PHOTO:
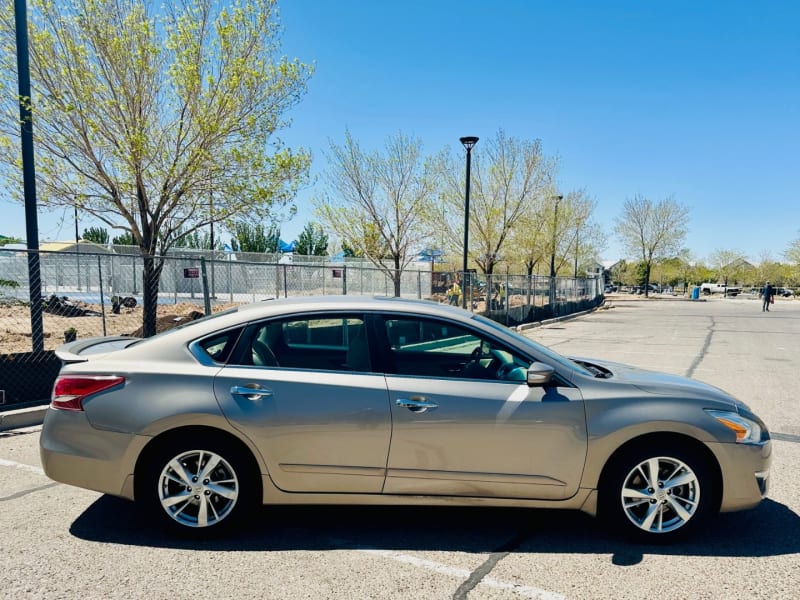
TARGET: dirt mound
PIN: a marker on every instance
(167, 322)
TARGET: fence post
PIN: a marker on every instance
(206, 298)
(102, 299)
(174, 264)
(344, 280)
(133, 263)
(230, 276)
(507, 298)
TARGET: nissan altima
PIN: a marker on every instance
(350, 400)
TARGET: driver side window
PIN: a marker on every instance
(421, 347)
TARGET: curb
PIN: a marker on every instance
(22, 417)
(526, 326)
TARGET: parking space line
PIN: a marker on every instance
(21, 466)
(29, 491)
(525, 591)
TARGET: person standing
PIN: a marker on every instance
(454, 294)
(767, 294)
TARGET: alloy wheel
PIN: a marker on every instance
(660, 494)
(198, 488)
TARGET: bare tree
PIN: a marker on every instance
(563, 217)
(792, 254)
(143, 109)
(375, 201)
(728, 265)
(652, 230)
(509, 177)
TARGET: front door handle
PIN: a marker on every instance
(251, 391)
(416, 404)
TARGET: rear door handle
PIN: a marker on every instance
(416, 404)
(251, 391)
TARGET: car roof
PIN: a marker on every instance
(265, 309)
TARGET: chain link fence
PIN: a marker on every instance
(86, 295)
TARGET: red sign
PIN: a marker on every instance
(191, 273)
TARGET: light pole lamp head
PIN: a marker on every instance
(469, 141)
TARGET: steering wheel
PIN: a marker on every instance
(473, 365)
(504, 370)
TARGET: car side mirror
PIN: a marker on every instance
(539, 374)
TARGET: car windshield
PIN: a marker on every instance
(536, 348)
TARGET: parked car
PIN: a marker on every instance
(639, 289)
(784, 292)
(391, 401)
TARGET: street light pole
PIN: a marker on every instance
(29, 174)
(468, 142)
(558, 199)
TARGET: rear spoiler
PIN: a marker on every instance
(79, 350)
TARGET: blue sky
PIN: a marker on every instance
(695, 100)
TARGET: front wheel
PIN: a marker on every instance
(197, 487)
(657, 494)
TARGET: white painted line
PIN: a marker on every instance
(523, 590)
(21, 466)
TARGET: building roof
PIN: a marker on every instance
(83, 246)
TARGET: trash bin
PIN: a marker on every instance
(696, 293)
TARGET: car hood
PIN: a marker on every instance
(663, 384)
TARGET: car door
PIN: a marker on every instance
(303, 389)
(465, 423)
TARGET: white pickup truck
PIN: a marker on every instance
(719, 288)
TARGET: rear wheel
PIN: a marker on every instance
(198, 487)
(657, 494)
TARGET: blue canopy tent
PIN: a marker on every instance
(430, 255)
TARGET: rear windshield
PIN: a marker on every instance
(190, 322)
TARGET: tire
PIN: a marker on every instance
(657, 494)
(198, 487)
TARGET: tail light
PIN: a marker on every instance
(70, 390)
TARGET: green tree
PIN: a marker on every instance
(375, 201)
(351, 250)
(98, 235)
(124, 239)
(256, 238)
(9, 240)
(652, 230)
(143, 108)
(312, 241)
(197, 240)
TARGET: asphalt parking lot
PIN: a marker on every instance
(63, 542)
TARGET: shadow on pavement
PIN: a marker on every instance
(770, 530)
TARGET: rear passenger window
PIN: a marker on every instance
(331, 343)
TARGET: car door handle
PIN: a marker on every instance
(251, 392)
(416, 404)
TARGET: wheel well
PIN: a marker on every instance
(666, 438)
(155, 445)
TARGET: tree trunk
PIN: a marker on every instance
(397, 275)
(530, 282)
(151, 276)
